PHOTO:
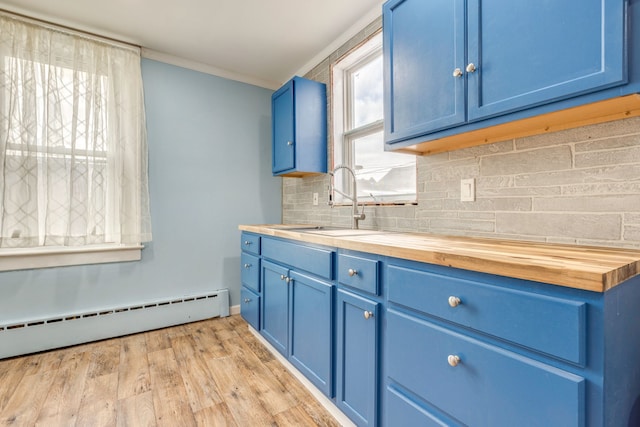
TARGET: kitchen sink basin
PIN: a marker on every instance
(316, 228)
(327, 230)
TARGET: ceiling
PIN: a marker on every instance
(261, 42)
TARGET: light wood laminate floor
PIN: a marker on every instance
(208, 373)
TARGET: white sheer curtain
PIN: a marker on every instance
(73, 148)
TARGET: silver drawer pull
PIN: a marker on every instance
(247, 266)
(368, 314)
(289, 143)
(457, 72)
(453, 360)
(247, 243)
(352, 272)
(288, 279)
(454, 301)
(282, 277)
(471, 67)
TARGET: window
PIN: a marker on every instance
(358, 124)
(73, 154)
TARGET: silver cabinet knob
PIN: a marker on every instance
(457, 72)
(453, 360)
(352, 272)
(289, 143)
(247, 243)
(282, 277)
(288, 279)
(368, 314)
(471, 67)
(247, 300)
(247, 266)
(454, 301)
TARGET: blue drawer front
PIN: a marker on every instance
(250, 307)
(402, 411)
(250, 271)
(489, 387)
(360, 273)
(314, 260)
(521, 317)
(250, 243)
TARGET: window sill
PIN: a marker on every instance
(30, 258)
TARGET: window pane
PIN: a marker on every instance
(367, 93)
(383, 176)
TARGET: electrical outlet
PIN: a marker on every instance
(315, 199)
(468, 190)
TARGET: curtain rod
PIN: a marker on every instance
(70, 30)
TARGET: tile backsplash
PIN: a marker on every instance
(575, 186)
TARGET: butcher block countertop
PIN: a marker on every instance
(583, 267)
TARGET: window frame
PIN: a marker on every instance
(26, 258)
(343, 132)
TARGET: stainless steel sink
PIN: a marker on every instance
(327, 230)
(312, 228)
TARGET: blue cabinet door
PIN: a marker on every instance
(250, 307)
(283, 128)
(275, 306)
(528, 53)
(424, 43)
(311, 329)
(357, 358)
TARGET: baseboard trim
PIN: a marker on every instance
(234, 309)
(34, 335)
(321, 398)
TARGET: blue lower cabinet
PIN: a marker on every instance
(401, 343)
(297, 319)
(311, 349)
(250, 307)
(357, 357)
(475, 382)
(275, 305)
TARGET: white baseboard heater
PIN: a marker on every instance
(71, 329)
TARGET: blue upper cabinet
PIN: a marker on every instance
(528, 53)
(423, 44)
(452, 65)
(299, 125)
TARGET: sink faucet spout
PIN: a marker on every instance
(356, 216)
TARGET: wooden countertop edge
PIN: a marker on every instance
(581, 267)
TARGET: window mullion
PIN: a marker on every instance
(365, 129)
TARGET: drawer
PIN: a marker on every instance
(250, 307)
(314, 260)
(403, 412)
(489, 386)
(250, 271)
(250, 243)
(521, 317)
(358, 272)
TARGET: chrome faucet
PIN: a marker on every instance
(356, 216)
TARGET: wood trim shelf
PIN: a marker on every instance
(584, 115)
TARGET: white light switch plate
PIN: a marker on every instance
(315, 199)
(468, 190)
